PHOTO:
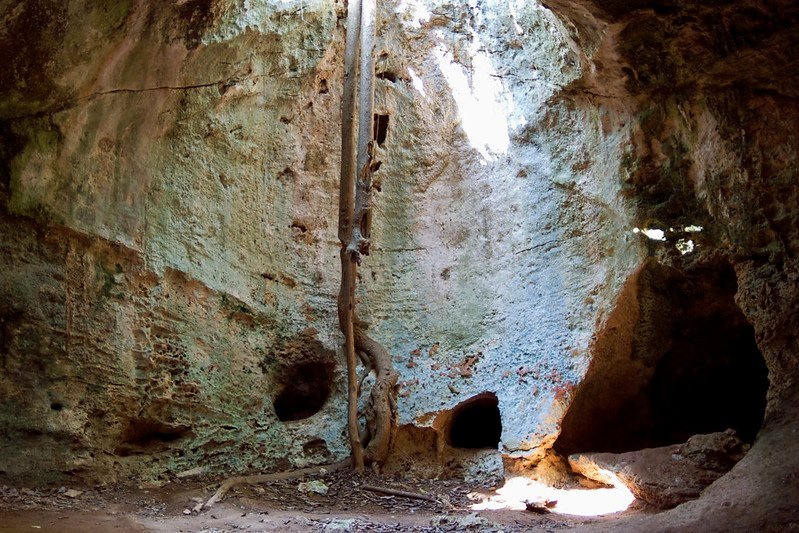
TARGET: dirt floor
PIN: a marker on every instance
(281, 506)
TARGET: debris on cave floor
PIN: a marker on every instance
(335, 501)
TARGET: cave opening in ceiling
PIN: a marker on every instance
(475, 423)
(692, 366)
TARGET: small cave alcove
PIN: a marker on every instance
(305, 387)
(145, 436)
(677, 358)
(475, 423)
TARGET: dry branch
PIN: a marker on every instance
(362, 221)
(267, 478)
(402, 493)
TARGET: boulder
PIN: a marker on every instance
(667, 476)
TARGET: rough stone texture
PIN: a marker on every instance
(667, 476)
(197, 141)
(424, 452)
(479, 210)
(718, 149)
(164, 232)
(169, 185)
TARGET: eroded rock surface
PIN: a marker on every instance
(667, 476)
(169, 193)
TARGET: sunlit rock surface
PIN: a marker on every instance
(169, 176)
(667, 476)
(172, 189)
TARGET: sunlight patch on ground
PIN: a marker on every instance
(580, 502)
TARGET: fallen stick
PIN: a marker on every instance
(402, 493)
(266, 478)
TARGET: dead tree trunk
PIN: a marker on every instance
(362, 222)
(355, 232)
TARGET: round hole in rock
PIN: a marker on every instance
(475, 423)
(677, 358)
(306, 388)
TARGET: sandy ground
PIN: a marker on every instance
(278, 506)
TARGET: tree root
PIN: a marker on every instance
(372, 443)
(365, 374)
(401, 493)
(382, 423)
(266, 478)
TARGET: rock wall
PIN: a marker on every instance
(169, 184)
(712, 89)
(167, 243)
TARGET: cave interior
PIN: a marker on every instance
(575, 299)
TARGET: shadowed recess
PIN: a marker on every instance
(476, 423)
(306, 388)
(381, 128)
(145, 436)
(690, 365)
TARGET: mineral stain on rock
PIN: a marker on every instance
(196, 17)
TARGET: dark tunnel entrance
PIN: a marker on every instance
(475, 423)
(677, 358)
(710, 380)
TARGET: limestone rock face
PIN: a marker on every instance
(167, 249)
(667, 476)
(170, 204)
(168, 190)
(715, 87)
